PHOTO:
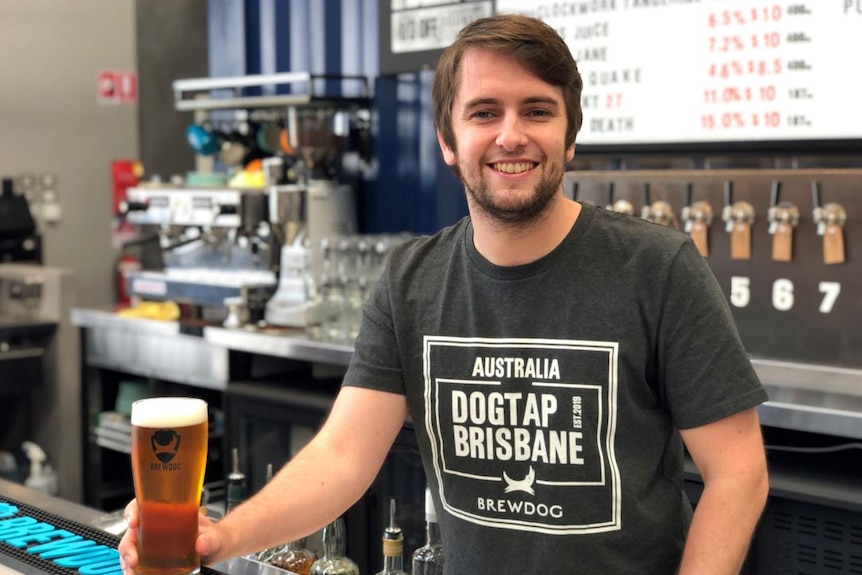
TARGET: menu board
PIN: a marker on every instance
(679, 73)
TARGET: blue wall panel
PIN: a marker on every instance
(409, 188)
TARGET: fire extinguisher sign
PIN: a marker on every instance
(117, 87)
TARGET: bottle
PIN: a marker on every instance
(393, 546)
(42, 477)
(428, 559)
(266, 555)
(334, 562)
(236, 492)
(295, 557)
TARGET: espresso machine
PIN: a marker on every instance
(251, 254)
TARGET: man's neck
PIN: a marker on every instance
(506, 245)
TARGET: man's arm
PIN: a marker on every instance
(320, 483)
(730, 457)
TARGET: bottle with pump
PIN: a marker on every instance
(393, 546)
(266, 555)
(236, 491)
(334, 561)
(42, 477)
(428, 559)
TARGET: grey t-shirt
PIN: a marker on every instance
(547, 397)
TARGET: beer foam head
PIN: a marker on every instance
(168, 412)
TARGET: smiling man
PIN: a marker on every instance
(555, 358)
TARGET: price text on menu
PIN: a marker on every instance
(677, 71)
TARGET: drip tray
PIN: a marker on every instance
(14, 559)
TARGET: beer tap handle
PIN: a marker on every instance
(236, 490)
(610, 202)
(646, 210)
(776, 191)
(815, 194)
(727, 210)
(772, 213)
(686, 208)
(697, 217)
(830, 220)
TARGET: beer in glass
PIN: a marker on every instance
(169, 452)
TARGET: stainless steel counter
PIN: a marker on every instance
(819, 399)
(293, 344)
(68, 509)
(151, 348)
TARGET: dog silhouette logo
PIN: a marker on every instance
(165, 444)
(525, 484)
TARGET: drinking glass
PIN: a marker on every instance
(169, 453)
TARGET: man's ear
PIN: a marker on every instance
(570, 153)
(448, 155)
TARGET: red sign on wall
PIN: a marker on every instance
(117, 87)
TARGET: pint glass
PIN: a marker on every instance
(169, 452)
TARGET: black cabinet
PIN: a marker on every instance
(107, 465)
(270, 421)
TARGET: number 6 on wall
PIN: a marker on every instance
(782, 295)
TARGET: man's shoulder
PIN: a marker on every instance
(440, 245)
(634, 231)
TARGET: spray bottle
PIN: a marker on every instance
(42, 477)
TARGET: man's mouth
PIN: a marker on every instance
(513, 167)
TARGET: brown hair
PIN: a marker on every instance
(528, 41)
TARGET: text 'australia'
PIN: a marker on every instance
(516, 367)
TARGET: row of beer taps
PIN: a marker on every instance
(739, 217)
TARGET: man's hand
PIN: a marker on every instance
(208, 543)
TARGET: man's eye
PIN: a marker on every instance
(539, 113)
(482, 114)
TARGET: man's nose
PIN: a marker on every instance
(512, 133)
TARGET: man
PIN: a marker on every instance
(553, 356)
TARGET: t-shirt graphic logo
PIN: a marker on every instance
(522, 431)
(165, 444)
(525, 484)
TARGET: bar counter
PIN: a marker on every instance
(803, 397)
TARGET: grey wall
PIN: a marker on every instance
(51, 122)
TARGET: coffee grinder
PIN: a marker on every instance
(310, 202)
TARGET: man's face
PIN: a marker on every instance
(509, 129)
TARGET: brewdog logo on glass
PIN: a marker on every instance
(522, 428)
(165, 444)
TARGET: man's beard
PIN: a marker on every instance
(527, 210)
